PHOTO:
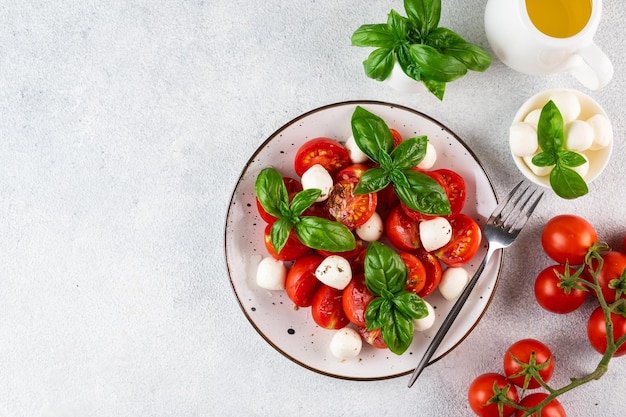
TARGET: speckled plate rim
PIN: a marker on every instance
(492, 271)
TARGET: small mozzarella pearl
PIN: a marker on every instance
(357, 156)
(568, 105)
(334, 271)
(427, 322)
(430, 158)
(372, 229)
(523, 139)
(452, 282)
(318, 177)
(602, 131)
(435, 233)
(271, 274)
(578, 135)
(346, 344)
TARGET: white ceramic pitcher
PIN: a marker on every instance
(520, 45)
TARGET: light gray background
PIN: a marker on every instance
(124, 127)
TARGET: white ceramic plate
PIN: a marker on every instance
(292, 331)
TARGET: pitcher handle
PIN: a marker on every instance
(591, 67)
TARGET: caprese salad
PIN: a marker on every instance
(365, 233)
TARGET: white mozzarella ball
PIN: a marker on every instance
(568, 105)
(430, 158)
(427, 322)
(346, 344)
(523, 139)
(584, 168)
(578, 135)
(357, 156)
(318, 177)
(537, 170)
(452, 282)
(532, 118)
(602, 131)
(271, 274)
(334, 271)
(372, 229)
(435, 233)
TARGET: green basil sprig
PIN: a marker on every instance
(426, 52)
(565, 182)
(314, 232)
(394, 308)
(417, 190)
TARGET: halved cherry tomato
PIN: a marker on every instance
(387, 201)
(402, 231)
(329, 153)
(346, 207)
(301, 283)
(433, 268)
(454, 184)
(293, 187)
(293, 248)
(466, 239)
(416, 273)
(373, 337)
(327, 310)
(349, 255)
(352, 171)
(355, 298)
(397, 137)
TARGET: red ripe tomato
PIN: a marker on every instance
(329, 153)
(596, 331)
(397, 137)
(293, 248)
(346, 207)
(481, 390)
(327, 308)
(387, 201)
(522, 350)
(293, 187)
(567, 237)
(402, 231)
(355, 298)
(552, 297)
(454, 184)
(434, 271)
(416, 273)
(466, 239)
(552, 409)
(373, 337)
(614, 264)
(301, 282)
(352, 171)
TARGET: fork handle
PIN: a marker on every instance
(452, 315)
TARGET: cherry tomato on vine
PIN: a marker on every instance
(568, 237)
(433, 268)
(552, 409)
(481, 390)
(329, 153)
(521, 351)
(466, 239)
(551, 296)
(293, 249)
(301, 282)
(355, 299)
(596, 331)
(416, 273)
(614, 264)
(346, 207)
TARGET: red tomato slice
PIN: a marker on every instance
(466, 239)
(402, 231)
(352, 171)
(350, 209)
(327, 308)
(433, 268)
(301, 283)
(397, 137)
(416, 273)
(293, 248)
(329, 153)
(373, 337)
(293, 187)
(355, 299)
(454, 184)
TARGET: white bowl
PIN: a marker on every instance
(598, 159)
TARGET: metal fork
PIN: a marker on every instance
(501, 229)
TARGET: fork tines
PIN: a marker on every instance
(514, 211)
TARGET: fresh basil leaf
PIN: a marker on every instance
(437, 88)
(435, 65)
(384, 315)
(371, 133)
(303, 200)
(550, 128)
(279, 233)
(373, 319)
(423, 194)
(544, 159)
(323, 234)
(571, 159)
(376, 36)
(410, 304)
(271, 191)
(384, 270)
(397, 24)
(424, 14)
(379, 64)
(567, 183)
(399, 335)
(410, 68)
(473, 56)
(442, 38)
(372, 180)
(409, 153)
